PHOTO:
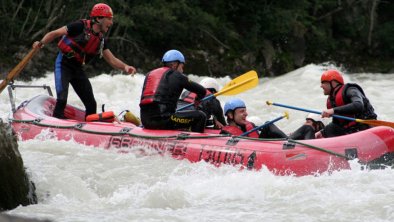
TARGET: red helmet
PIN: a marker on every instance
(330, 75)
(101, 10)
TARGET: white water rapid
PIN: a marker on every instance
(79, 183)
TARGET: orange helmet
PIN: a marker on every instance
(101, 10)
(330, 75)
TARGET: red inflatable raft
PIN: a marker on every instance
(373, 147)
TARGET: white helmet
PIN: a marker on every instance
(314, 117)
(210, 83)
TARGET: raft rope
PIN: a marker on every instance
(124, 131)
(321, 149)
(180, 136)
(300, 143)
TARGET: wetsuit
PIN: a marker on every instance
(272, 131)
(69, 66)
(161, 90)
(348, 100)
(212, 107)
(305, 132)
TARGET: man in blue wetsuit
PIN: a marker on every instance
(82, 41)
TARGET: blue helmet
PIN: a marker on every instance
(233, 104)
(172, 56)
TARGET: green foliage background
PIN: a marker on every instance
(221, 37)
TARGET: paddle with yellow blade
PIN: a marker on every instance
(18, 68)
(286, 115)
(365, 121)
(240, 84)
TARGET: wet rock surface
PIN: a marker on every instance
(15, 187)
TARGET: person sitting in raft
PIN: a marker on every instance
(212, 107)
(160, 93)
(346, 100)
(236, 113)
(313, 124)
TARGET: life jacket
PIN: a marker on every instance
(341, 99)
(236, 131)
(107, 116)
(85, 43)
(190, 97)
(154, 87)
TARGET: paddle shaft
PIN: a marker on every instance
(18, 68)
(224, 91)
(312, 111)
(262, 126)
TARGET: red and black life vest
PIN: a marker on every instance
(236, 131)
(153, 86)
(340, 99)
(86, 43)
(190, 97)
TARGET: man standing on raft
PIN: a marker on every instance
(82, 40)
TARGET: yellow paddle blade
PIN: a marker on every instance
(240, 84)
(131, 118)
(376, 122)
(17, 69)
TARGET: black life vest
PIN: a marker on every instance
(341, 99)
(236, 131)
(86, 43)
(154, 86)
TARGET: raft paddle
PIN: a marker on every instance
(18, 68)
(365, 121)
(240, 84)
(286, 115)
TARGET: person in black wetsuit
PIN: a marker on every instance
(235, 110)
(160, 93)
(82, 41)
(211, 107)
(345, 100)
(313, 124)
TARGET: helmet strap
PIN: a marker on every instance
(173, 65)
(93, 20)
(333, 89)
(230, 115)
(177, 65)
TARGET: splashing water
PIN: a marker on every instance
(79, 183)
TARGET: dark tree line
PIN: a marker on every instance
(220, 37)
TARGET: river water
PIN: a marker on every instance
(79, 183)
